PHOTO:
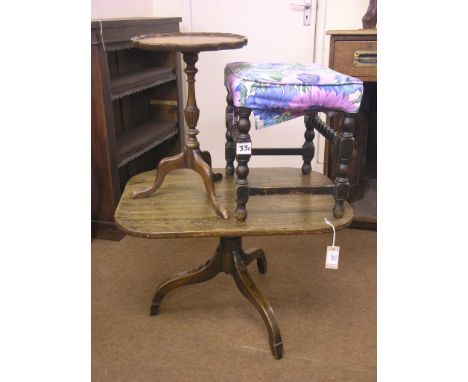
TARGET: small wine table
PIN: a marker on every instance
(189, 44)
(182, 210)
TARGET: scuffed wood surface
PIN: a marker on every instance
(180, 208)
(189, 42)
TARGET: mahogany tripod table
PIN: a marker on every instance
(181, 209)
(189, 44)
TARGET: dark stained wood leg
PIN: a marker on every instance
(191, 157)
(248, 288)
(255, 254)
(230, 146)
(200, 166)
(197, 275)
(231, 259)
(308, 148)
(207, 158)
(369, 20)
(345, 155)
(165, 166)
(242, 169)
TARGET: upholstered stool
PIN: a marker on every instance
(280, 92)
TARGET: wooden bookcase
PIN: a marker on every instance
(136, 110)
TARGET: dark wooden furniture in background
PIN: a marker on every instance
(183, 210)
(190, 45)
(354, 52)
(136, 110)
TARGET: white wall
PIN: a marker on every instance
(102, 9)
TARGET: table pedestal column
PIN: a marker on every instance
(191, 157)
(230, 258)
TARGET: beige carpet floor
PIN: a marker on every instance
(210, 332)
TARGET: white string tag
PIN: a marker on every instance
(102, 37)
(333, 251)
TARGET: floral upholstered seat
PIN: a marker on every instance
(280, 92)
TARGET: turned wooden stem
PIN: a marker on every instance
(242, 169)
(191, 111)
(308, 148)
(230, 146)
(345, 155)
(191, 157)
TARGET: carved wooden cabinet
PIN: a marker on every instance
(136, 110)
(354, 52)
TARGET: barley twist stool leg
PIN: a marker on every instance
(230, 146)
(308, 148)
(242, 170)
(345, 155)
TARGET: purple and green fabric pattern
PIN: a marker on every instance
(279, 92)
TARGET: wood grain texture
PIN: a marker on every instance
(344, 58)
(181, 208)
(283, 178)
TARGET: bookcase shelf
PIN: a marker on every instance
(126, 84)
(136, 110)
(139, 139)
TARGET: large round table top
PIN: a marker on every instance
(189, 42)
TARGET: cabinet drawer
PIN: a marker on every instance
(356, 58)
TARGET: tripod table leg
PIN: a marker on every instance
(165, 166)
(207, 158)
(206, 173)
(252, 254)
(197, 275)
(250, 291)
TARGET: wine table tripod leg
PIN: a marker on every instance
(248, 288)
(207, 158)
(208, 177)
(197, 275)
(191, 157)
(231, 259)
(165, 166)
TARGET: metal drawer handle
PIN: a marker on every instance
(365, 58)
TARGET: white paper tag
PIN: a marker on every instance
(333, 255)
(244, 148)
